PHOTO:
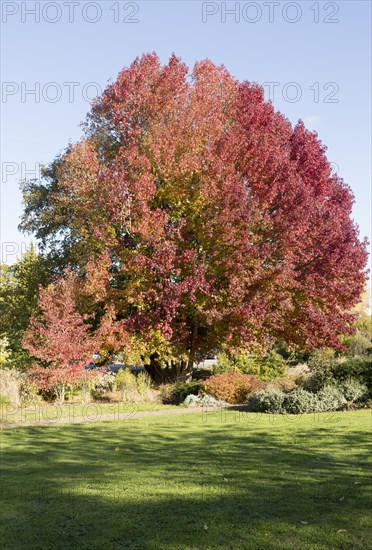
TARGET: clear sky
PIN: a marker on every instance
(313, 57)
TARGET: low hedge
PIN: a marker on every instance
(300, 401)
(269, 400)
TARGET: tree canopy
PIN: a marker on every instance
(198, 218)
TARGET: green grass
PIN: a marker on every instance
(47, 412)
(216, 481)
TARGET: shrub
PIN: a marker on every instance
(272, 366)
(10, 385)
(225, 364)
(103, 384)
(367, 402)
(143, 381)
(287, 383)
(330, 398)
(320, 363)
(165, 392)
(269, 400)
(192, 400)
(233, 387)
(326, 369)
(177, 393)
(29, 392)
(359, 368)
(4, 400)
(202, 400)
(269, 367)
(299, 401)
(322, 359)
(360, 343)
(315, 381)
(353, 390)
(125, 383)
(202, 374)
(125, 386)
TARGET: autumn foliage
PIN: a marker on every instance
(58, 335)
(198, 217)
(233, 387)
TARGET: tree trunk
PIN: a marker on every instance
(191, 361)
(177, 371)
(154, 369)
(181, 372)
(63, 392)
(187, 371)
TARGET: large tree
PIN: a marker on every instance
(201, 218)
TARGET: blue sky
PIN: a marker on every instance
(314, 56)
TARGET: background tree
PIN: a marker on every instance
(5, 352)
(201, 219)
(359, 343)
(19, 291)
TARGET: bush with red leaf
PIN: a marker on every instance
(232, 387)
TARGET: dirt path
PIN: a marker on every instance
(115, 416)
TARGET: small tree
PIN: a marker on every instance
(59, 337)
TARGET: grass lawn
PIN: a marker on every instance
(49, 412)
(209, 481)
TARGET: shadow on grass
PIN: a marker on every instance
(162, 485)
